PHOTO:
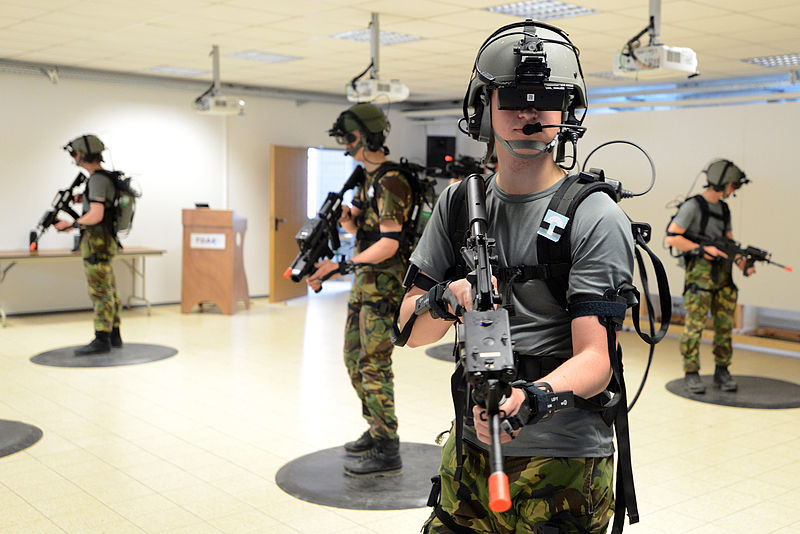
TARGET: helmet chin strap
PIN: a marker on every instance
(526, 144)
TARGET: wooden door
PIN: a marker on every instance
(288, 170)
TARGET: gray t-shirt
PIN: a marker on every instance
(99, 186)
(602, 258)
(690, 216)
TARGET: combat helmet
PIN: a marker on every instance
(529, 64)
(721, 172)
(88, 144)
(368, 119)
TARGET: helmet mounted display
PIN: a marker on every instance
(529, 65)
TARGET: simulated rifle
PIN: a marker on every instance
(750, 254)
(319, 237)
(485, 339)
(61, 202)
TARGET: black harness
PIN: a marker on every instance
(700, 237)
(407, 237)
(554, 256)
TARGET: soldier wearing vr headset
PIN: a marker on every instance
(98, 243)
(522, 101)
(381, 206)
(709, 286)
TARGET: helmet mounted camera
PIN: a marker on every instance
(529, 65)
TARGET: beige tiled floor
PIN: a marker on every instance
(191, 444)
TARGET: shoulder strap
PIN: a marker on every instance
(458, 228)
(726, 215)
(703, 204)
(553, 242)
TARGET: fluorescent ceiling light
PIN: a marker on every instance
(541, 10)
(386, 38)
(783, 60)
(176, 71)
(257, 55)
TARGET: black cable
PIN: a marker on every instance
(643, 151)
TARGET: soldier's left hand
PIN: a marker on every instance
(508, 408)
(322, 268)
(62, 225)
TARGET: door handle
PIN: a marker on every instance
(278, 220)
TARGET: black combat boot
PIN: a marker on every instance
(100, 344)
(360, 446)
(693, 383)
(724, 380)
(116, 338)
(382, 460)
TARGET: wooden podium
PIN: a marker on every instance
(213, 264)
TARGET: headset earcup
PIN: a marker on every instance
(485, 125)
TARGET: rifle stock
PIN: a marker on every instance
(319, 237)
(60, 203)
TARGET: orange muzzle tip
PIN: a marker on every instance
(499, 497)
(287, 273)
(32, 246)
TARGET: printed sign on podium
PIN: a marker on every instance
(213, 262)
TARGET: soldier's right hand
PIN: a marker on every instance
(711, 252)
(462, 290)
(346, 215)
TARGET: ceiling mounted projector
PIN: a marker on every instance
(373, 89)
(381, 90)
(212, 102)
(656, 60)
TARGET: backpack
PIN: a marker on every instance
(423, 198)
(122, 209)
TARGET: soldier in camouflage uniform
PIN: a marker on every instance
(559, 470)
(702, 220)
(98, 243)
(381, 206)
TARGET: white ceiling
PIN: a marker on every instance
(136, 35)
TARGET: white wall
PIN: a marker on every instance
(758, 138)
(178, 156)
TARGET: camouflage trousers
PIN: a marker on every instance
(574, 494)
(368, 347)
(704, 293)
(97, 250)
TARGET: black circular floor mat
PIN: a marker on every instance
(16, 436)
(754, 392)
(441, 352)
(128, 354)
(319, 478)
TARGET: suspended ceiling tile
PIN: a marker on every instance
(199, 25)
(21, 11)
(686, 10)
(286, 8)
(483, 21)
(602, 22)
(735, 23)
(744, 6)
(421, 9)
(237, 15)
(62, 32)
(423, 28)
